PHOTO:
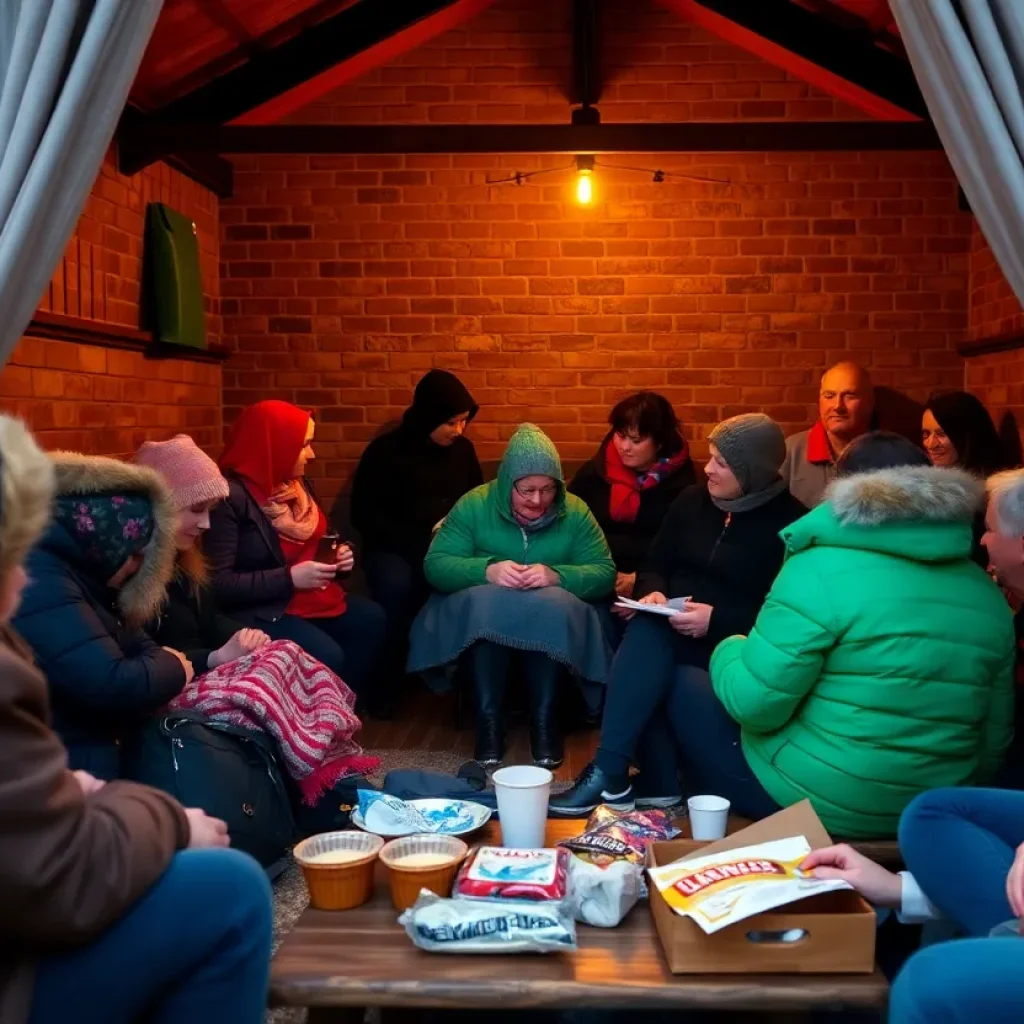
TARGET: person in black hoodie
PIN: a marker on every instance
(719, 547)
(642, 466)
(407, 481)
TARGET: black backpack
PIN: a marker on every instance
(230, 772)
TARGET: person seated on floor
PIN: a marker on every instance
(407, 481)
(719, 548)
(113, 895)
(642, 466)
(516, 562)
(98, 574)
(1004, 542)
(190, 621)
(263, 546)
(964, 853)
(881, 665)
(846, 406)
(279, 689)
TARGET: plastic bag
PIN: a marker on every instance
(494, 872)
(603, 896)
(480, 926)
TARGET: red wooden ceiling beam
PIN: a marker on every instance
(387, 50)
(814, 72)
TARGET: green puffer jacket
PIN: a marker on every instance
(480, 529)
(881, 664)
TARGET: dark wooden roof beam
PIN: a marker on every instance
(586, 67)
(820, 52)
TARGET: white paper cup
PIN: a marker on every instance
(522, 791)
(709, 816)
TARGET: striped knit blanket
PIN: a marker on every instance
(282, 691)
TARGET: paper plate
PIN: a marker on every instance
(455, 817)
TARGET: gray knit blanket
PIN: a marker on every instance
(551, 620)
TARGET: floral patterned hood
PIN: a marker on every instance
(108, 511)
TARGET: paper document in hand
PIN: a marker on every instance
(674, 606)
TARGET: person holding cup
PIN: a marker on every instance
(719, 548)
(273, 565)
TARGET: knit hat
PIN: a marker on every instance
(108, 528)
(753, 447)
(191, 475)
(530, 452)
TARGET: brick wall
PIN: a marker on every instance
(345, 278)
(998, 378)
(107, 401)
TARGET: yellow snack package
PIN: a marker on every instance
(722, 888)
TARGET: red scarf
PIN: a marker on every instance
(627, 486)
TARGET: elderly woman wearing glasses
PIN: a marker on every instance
(516, 562)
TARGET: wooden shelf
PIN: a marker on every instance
(60, 327)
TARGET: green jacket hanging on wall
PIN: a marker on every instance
(174, 289)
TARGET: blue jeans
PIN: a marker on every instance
(959, 845)
(962, 981)
(194, 949)
(347, 644)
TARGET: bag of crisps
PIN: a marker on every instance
(722, 888)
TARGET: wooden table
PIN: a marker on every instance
(359, 958)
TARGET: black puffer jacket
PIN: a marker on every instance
(105, 674)
(406, 484)
(629, 541)
(728, 562)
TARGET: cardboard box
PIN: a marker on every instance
(832, 933)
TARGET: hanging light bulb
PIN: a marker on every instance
(584, 182)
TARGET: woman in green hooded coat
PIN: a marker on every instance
(881, 664)
(519, 559)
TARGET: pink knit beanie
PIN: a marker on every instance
(191, 474)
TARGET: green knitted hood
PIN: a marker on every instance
(530, 451)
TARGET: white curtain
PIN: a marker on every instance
(65, 70)
(968, 56)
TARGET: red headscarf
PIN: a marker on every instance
(265, 445)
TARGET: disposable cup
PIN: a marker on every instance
(522, 791)
(709, 816)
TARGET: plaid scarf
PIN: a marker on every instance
(281, 690)
(627, 486)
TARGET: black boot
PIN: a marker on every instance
(490, 720)
(545, 729)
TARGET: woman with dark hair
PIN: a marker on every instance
(881, 449)
(642, 466)
(264, 548)
(956, 430)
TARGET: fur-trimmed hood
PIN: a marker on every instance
(143, 595)
(922, 513)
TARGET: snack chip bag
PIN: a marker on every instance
(722, 888)
(612, 836)
(497, 873)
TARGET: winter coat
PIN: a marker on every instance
(70, 865)
(106, 676)
(405, 484)
(729, 562)
(247, 564)
(481, 530)
(192, 623)
(881, 665)
(629, 542)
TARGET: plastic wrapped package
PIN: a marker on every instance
(441, 925)
(494, 872)
(603, 896)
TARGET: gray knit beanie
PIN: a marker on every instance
(754, 448)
